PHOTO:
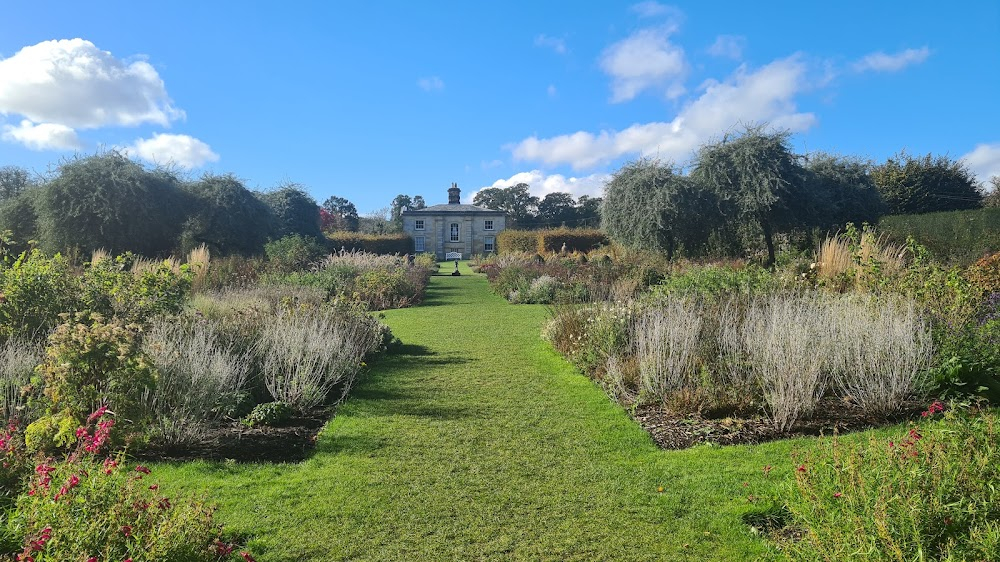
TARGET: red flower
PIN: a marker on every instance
(127, 530)
(246, 556)
(801, 468)
(142, 469)
(92, 559)
(154, 487)
(837, 494)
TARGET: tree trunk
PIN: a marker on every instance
(769, 241)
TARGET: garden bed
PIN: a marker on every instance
(292, 442)
(671, 430)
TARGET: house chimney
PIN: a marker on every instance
(454, 194)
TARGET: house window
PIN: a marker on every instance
(489, 243)
(418, 243)
(418, 224)
(488, 225)
(454, 232)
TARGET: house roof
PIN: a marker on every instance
(451, 208)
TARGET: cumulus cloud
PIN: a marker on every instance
(42, 136)
(431, 84)
(728, 46)
(542, 184)
(984, 161)
(556, 44)
(883, 62)
(767, 94)
(183, 150)
(72, 83)
(645, 59)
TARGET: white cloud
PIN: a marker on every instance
(182, 150)
(542, 184)
(882, 62)
(72, 83)
(984, 161)
(650, 9)
(765, 95)
(552, 91)
(42, 136)
(728, 46)
(431, 84)
(644, 60)
(556, 44)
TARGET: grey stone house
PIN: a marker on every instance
(454, 228)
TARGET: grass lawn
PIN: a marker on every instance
(478, 442)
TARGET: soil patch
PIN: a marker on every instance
(671, 430)
(292, 442)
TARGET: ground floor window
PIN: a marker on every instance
(418, 244)
(489, 243)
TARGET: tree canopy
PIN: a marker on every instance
(109, 201)
(926, 184)
(649, 204)
(516, 201)
(225, 216)
(758, 179)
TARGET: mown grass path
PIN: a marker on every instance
(478, 442)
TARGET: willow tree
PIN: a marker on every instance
(758, 179)
(649, 204)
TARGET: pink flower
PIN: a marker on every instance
(246, 556)
(127, 530)
(837, 494)
(98, 413)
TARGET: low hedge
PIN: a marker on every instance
(956, 237)
(510, 241)
(374, 243)
(550, 240)
(575, 240)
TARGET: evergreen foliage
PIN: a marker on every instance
(926, 184)
(225, 216)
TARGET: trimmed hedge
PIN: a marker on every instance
(575, 240)
(550, 240)
(956, 237)
(510, 241)
(374, 243)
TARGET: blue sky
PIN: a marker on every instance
(369, 100)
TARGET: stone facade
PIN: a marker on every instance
(442, 229)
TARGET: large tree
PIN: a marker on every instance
(516, 201)
(224, 215)
(294, 211)
(927, 184)
(13, 182)
(843, 190)
(992, 197)
(108, 201)
(557, 208)
(648, 204)
(758, 178)
(345, 214)
(588, 211)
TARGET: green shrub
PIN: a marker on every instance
(294, 252)
(373, 243)
(929, 494)
(718, 280)
(269, 413)
(958, 237)
(134, 290)
(34, 291)
(570, 240)
(90, 362)
(510, 241)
